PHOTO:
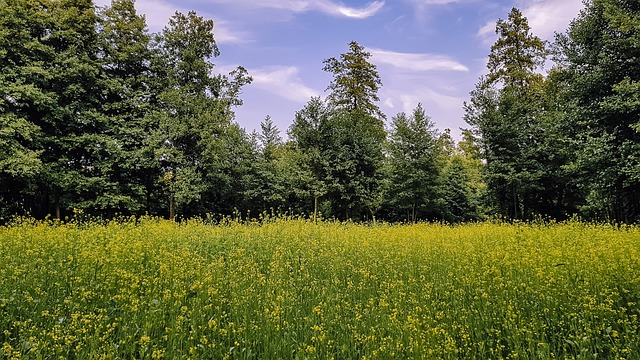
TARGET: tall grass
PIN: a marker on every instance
(292, 289)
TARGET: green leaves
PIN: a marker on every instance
(413, 157)
(601, 71)
(510, 113)
(355, 81)
(517, 54)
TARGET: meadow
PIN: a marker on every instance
(292, 289)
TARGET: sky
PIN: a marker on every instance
(426, 51)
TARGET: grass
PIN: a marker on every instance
(292, 289)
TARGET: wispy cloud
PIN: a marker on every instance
(545, 17)
(157, 14)
(433, 99)
(329, 7)
(444, 107)
(488, 32)
(416, 62)
(549, 16)
(433, 2)
(226, 34)
(284, 82)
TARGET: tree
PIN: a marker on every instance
(517, 54)
(357, 135)
(355, 82)
(310, 134)
(506, 112)
(414, 165)
(456, 194)
(125, 58)
(269, 137)
(72, 127)
(194, 107)
(22, 99)
(599, 73)
(268, 190)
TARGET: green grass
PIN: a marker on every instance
(292, 289)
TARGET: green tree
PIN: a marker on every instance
(23, 99)
(194, 109)
(268, 190)
(414, 165)
(468, 150)
(355, 82)
(270, 138)
(455, 193)
(125, 58)
(599, 70)
(310, 135)
(72, 129)
(355, 158)
(506, 111)
(230, 172)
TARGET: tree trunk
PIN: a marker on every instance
(315, 208)
(515, 202)
(172, 208)
(57, 207)
(413, 213)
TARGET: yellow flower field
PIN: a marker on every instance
(292, 289)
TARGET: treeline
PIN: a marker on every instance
(99, 115)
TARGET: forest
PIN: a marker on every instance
(99, 116)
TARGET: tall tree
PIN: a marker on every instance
(598, 59)
(309, 133)
(268, 191)
(505, 110)
(23, 99)
(194, 108)
(72, 129)
(355, 82)
(516, 55)
(270, 138)
(414, 165)
(357, 135)
(125, 57)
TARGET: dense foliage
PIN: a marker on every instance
(100, 115)
(292, 289)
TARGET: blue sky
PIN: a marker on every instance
(427, 51)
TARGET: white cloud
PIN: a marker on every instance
(545, 17)
(362, 13)
(416, 62)
(157, 14)
(549, 16)
(433, 2)
(330, 7)
(282, 81)
(445, 109)
(224, 34)
(431, 98)
(487, 29)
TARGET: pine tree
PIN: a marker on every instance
(354, 179)
(414, 165)
(506, 111)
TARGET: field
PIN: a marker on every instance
(292, 289)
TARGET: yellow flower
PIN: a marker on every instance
(144, 340)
